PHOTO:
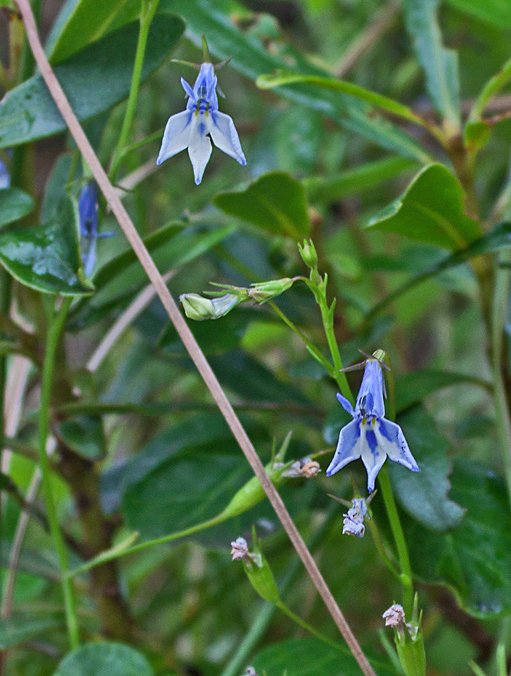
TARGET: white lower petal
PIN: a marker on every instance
(199, 149)
(176, 136)
(392, 441)
(225, 137)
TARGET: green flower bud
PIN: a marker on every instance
(263, 291)
(260, 574)
(252, 492)
(308, 253)
(198, 308)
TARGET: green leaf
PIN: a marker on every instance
(21, 628)
(171, 247)
(475, 559)
(84, 435)
(440, 65)
(306, 656)
(349, 88)
(47, 257)
(497, 239)
(83, 21)
(14, 204)
(424, 495)
(104, 658)
(495, 12)
(251, 58)
(431, 210)
(275, 202)
(356, 181)
(413, 388)
(95, 79)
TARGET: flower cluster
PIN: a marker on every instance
(200, 123)
(370, 435)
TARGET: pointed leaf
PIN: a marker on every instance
(95, 79)
(47, 257)
(495, 12)
(276, 202)
(14, 204)
(440, 65)
(431, 210)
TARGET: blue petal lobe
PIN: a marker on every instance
(348, 447)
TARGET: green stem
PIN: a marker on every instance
(117, 553)
(498, 319)
(52, 341)
(328, 326)
(147, 11)
(305, 625)
(399, 538)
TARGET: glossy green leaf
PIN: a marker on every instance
(474, 559)
(280, 79)
(440, 65)
(424, 495)
(14, 204)
(104, 658)
(413, 388)
(47, 257)
(95, 79)
(275, 202)
(226, 40)
(306, 656)
(172, 246)
(83, 21)
(356, 181)
(84, 435)
(495, 12)
(21, 628)
(431, 210)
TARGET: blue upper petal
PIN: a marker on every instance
(370, 396)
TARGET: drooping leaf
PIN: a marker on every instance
(21, 628)
(226, 40)
(474, 560)
(342, 86)
(431, 210)
(306, 656)
(425, 495)
(275, 202)
(83, 21)
(171, 247)
(440, 65)
(14, 204)
(47, 257)
(95, 79)
(104, 658)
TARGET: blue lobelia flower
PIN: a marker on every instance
(200, 122)
(370, 435)
(88, 212)
(5, 179)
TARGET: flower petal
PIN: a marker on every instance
(199, 149)
(346, 404)
(176, 136)
(224, 135)
(373, 456)
(188, 89)
(392, 440)
(348, 447)
(370, 396)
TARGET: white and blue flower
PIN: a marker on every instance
(370, 435)
(200, 124)
(88, 213)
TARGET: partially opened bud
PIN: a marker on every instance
(264, 291)
(199, 308)
(308, 253)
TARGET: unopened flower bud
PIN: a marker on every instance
(199, 308)
(264, 291)
(239, 549)
(260, 574)
(308, 253)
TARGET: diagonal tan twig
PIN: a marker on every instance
(186, 335)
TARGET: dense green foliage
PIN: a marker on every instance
(377, 201)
